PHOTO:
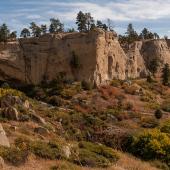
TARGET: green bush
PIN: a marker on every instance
(115, 83)
(55, 100)
(149, 79)
(95, 155)
(151, 145)
(46, 150)
(166, 127)
(92, 159)
(13, 155)
(158, 114)
(101, 150)
(86, 85)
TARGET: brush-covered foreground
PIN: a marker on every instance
(70, 126)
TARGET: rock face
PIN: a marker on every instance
(100, 57)
(3, 138)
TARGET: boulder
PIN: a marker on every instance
(36, 118)
(41, 130)
(10, 113)
(2, 163)
(66, 151)
(9, 100)
(26, 104)
(3, 138)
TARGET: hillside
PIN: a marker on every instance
(71, 126)
(84, 101)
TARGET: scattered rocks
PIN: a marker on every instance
(41, 130)
(10, 113)
(3, 138)
(14, 128)
(9, 100)
(36, 117)
(66, 151)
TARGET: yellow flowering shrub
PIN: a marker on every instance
(151, 144)
(13, 92)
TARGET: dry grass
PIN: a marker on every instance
(128, 162)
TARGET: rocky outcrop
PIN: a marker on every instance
(100, 57)
(3, 138)
(141, 54)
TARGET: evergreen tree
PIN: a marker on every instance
(85, 22)
(131, 34)
(150, 35)
(44, 29)
(156, 36)
(101, 25)
(153, 66)
(130, 30)
(158, 114)
(146, 34)
(166, 37)
(166, 74)
(13, 35)
(4, 33)
(56, 26)
(89, 21)
(25, 33)
(36, 30)
(71, 30)
(110, 24)
(81, 22)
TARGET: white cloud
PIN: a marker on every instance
(120, 11)
(124, 10)
(33, 17)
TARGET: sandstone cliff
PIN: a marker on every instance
(99, 53)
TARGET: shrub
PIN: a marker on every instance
(158, 114)
(38, 93)
(86, 85)
(91, 159)
(160, 165)
(166, 105)
(166, 127)
(46, 150)
(5, 85)
(42, 150)
(154, 65)
(95, 155)
(149, 79)
(55, 100)
(22, 143)
(133, 89)
(4, 92)
(115, 83)
(64, 165)
(128, 106)
(14, 155)
(151, 145)
(149, 122)
(75, 62)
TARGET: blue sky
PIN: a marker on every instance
(153, 14)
